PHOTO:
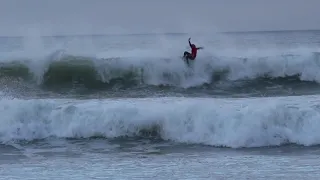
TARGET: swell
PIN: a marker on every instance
(93, 73)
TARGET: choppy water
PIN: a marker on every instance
(127, 107)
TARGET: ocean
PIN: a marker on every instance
(127, 107)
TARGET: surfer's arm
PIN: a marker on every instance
(189, 42)
(200, 48)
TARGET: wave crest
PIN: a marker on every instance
(67, 70)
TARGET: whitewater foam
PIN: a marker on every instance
(232, 123)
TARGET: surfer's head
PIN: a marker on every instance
(193, 46)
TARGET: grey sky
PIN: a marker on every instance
(108, 16)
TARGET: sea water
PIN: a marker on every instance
(127, 107)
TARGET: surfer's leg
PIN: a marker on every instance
(186, 54)
(191, 58)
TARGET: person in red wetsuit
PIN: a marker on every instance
(193, 54)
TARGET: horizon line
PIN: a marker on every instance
(166, 33)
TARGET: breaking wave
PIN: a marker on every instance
(235, 123)
(60, 69)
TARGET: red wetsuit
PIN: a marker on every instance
(194, 51)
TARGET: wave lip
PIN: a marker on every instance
(231, 123)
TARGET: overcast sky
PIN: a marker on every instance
(108, 16)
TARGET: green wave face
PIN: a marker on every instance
(15, 69)
(72, 71)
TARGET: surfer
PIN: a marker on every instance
(192, 56)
